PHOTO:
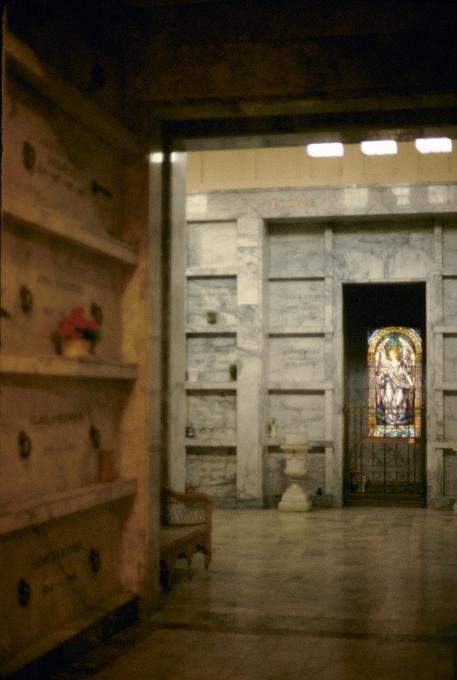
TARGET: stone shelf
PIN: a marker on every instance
(213, 443)
(48, 82)
(449, 272)
(311, 330)
(447, 444)
(25, 364)
(18, 206)
(298, 277)
(446, 330)
(33, 511)
(313, 443)
(210, 387)
(299, 387)
(209, 273)
(447, 387)
(210, 330)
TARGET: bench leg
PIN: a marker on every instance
(189, 564)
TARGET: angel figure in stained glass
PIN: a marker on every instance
(395, 362)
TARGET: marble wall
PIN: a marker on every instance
(289, 308)
(74, 205)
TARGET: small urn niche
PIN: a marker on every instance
(295, 498)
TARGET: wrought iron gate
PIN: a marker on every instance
(381, 470)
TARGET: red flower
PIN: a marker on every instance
(77, 326)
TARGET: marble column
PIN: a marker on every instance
(250, 359)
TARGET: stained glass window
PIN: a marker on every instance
(394, 382)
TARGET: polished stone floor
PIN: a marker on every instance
(343, 593)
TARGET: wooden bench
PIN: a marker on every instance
(185, 529)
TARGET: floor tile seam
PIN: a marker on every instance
(289, 632)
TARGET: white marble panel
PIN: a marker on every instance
(211, 356)
(276, 481)
(296, 360)
(213, 415)
(249, 275)
(450, 302)
(450, 416)
(295, 304)
(299, 413)
(212, 474)
(217, 294)
(211, 244)
(450, 358)
(295, 249)
(383, 251)
(450, 474)
(450, 243)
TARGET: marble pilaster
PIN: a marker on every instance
(177, 325)
(250, 358)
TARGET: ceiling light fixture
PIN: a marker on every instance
(325, 150)
(379, 147)
(433, 145)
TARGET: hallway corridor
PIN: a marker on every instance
(341, 593)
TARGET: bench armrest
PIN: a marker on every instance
(179, 508)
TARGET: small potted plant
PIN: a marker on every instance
(77, 336)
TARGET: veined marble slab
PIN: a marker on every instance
(363, 252)
(211, 357)
(212, 415)
(212, 474)
(211, 244)
(208, 294)
(295, 249)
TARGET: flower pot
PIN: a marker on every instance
(75, 348)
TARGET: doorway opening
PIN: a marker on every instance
(384, 400)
